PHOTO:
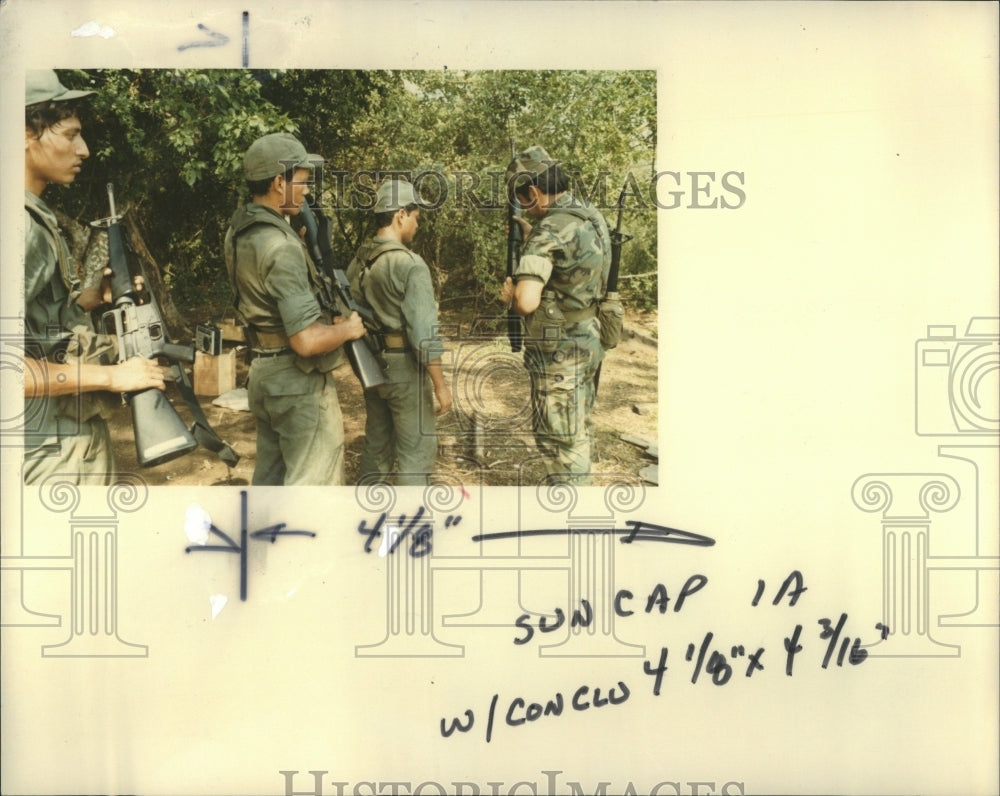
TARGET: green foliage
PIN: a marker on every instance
(172, 141)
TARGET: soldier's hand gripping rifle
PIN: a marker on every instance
(364, 355)
(515, 236)
(160, 434)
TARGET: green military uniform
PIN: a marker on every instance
(300, 430)
(399, 427)
(569, 250)
(64, 435)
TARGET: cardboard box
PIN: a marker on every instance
(214, 375)
(232, 331)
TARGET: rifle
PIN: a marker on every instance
(618, 237)
(515, 237)
(610, 311)
(160, 434)
(364, 355)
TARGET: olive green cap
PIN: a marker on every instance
(274, 154)
(394, 195)
(42, 85)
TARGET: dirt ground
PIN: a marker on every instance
(484, 439)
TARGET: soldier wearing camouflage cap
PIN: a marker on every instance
(400, 429)
(293, 346)
(64, 373)
(557, 286)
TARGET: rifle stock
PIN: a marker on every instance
(364, 355)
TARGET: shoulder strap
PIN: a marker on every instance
(374, 254)
(66, 267)
(383, 248)
(590, 214)
(200, 427)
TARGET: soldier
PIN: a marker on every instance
(65, 371)
(556, 286)
(293, 347)
(396, 283)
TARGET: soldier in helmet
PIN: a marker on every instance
(396, 283)
(557, 286)
(66, 366)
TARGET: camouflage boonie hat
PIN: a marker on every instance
(529, 164)
(395, 195)
(533, 160)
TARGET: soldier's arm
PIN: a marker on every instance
(527, 296)
(43, 378)
(533, 271)
(320, 338)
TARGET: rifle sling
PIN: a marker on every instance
(202, 430)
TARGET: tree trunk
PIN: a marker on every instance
(89, 247)
(154, 280)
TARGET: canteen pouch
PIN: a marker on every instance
(610, 316)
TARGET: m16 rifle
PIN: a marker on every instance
(515, 237)
(364, 355)
(160, 434)
(610, 312)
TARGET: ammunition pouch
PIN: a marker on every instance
(324, 363)
(544, 327)
(395, 342)
(87, 347)
(610, 316)
(266, 341)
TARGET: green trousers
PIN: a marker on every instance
(83, 457)
(300, 430)
(400, 433)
